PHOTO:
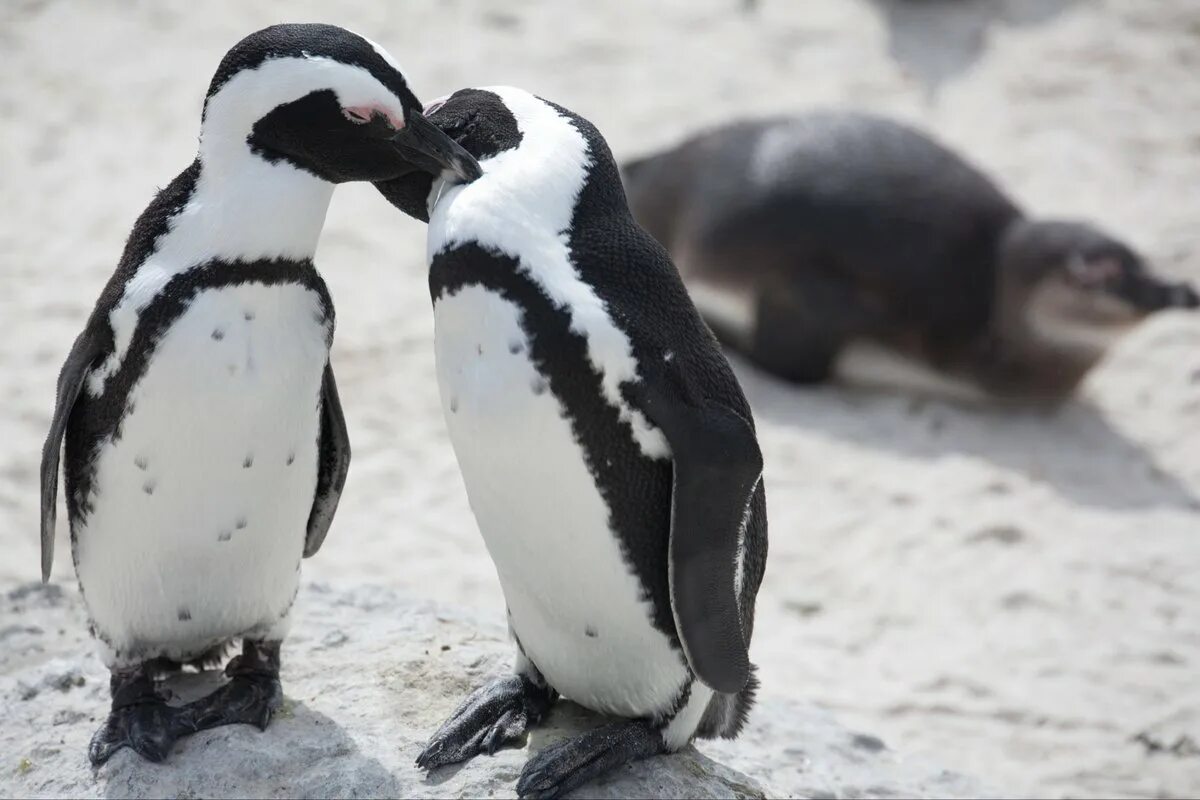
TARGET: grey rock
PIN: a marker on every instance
(357, 713)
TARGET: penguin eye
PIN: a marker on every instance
(362, 115)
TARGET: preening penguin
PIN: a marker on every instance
(845, 245)
(608, 452)
(205, 448)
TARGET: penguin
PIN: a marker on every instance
(609, 455)
(202, 439)
(842, 245)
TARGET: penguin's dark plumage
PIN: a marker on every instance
(205, 447)
(840, 244)
(607, 449)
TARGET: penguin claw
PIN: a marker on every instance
(149, 729)
(492, 716)
(248, 699)
(565, 766)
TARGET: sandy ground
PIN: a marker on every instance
(1014, 594)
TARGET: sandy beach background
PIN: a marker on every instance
(1013, 594)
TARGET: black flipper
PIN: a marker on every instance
(333, 463)
(88, 346)
(717, 465)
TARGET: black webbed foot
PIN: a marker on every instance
(571, 763)
(140, 720)
(492, 716)
(251, 697)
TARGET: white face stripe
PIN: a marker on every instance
(251, 94)
(522, 207)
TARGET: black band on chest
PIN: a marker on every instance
(636, 488)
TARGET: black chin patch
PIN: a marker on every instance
(313, 134)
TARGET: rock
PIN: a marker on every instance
(368, 675)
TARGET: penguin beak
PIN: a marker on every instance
(428, 148)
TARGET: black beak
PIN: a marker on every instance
(424, 144)
(1151, 294)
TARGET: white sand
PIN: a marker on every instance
(1015, 595)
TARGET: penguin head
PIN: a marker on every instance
(475, 119)
(326, 101)
(1080, 283)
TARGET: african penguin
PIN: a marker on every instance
(205, 448)
(840, 244)
(608, 453)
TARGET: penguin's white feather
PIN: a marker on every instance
(533, 228)
(575, 605)
(200, 507)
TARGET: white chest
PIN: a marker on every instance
(200, 507)
(574, 603)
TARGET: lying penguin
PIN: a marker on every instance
(846, 245)
(608, 452)
(205, 444)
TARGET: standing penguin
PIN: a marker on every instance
(205, 444)
(841, 244)
(608, 452)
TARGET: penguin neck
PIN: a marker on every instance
(1024, 358)
(244, 207)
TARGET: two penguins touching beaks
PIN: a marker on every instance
(204, 450)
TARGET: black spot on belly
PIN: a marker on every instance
(479, 349)
(291, 459)
(453, 405)
(538, 385)
(590, 632)
(248, 461)
(249, 315)
(515, 347)
(218, 334)
(141, 462)
(241, 523)
(148, 486)
(184, 615)
(224, 536)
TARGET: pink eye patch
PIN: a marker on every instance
(361, 115)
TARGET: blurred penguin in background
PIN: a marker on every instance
(840, 245)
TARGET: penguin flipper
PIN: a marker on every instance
(717, 466)
(88, 346)
(333, 463)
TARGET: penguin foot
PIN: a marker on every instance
(140, 719)
(150, 729)
(492, 716)
(569, 764)
(251, 697)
